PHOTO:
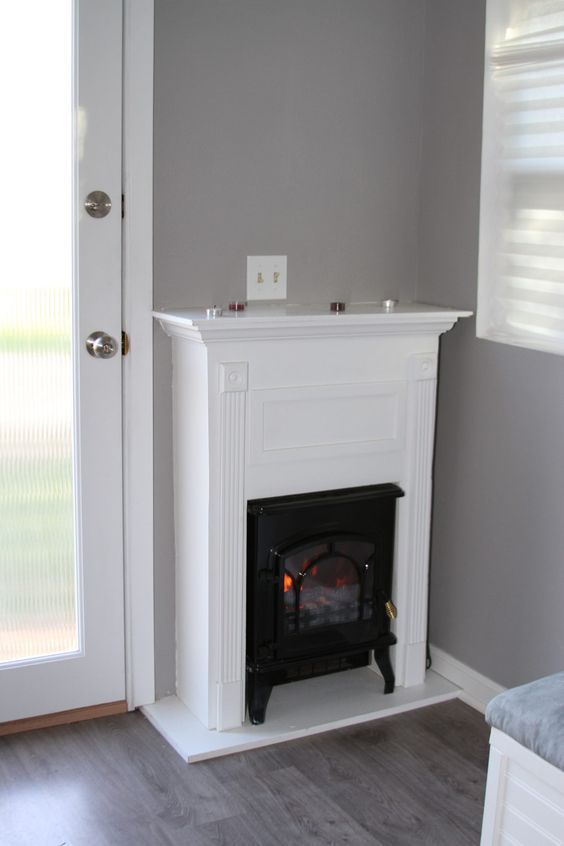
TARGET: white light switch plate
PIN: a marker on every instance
(266, 277)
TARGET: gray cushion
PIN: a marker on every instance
(533, 715)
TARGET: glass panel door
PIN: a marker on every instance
(38, 575)
(61, 533)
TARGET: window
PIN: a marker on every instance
(521, 270)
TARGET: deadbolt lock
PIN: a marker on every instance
(98, 204)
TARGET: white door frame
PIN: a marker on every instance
(138, 365)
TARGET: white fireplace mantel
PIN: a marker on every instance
(276, 322)
(282, 400)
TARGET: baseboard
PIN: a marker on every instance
(475, 689)
(75, 715)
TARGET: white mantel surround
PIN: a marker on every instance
(282, 400)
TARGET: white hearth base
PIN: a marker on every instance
(297, 710)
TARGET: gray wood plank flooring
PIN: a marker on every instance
(417, 778)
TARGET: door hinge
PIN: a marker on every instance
(123, 205)
(124, 342)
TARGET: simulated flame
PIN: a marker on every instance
(340, 581)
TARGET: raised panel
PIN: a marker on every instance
(328, 421)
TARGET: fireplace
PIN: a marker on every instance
(270, 403)
(319, 581)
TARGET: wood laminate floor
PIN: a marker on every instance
(417, 778)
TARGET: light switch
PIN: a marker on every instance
(266, 277)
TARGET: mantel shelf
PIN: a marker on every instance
(260, 322)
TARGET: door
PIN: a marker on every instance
(61, 540)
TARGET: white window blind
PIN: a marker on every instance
(521, 268)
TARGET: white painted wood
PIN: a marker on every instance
(231, 584)
(96, 673)
(412, 560)
(476, 689)
(323, 421)
(99, 393)
(298, 710)
(298, 321)
(195, 673)
(524, 802)
(536, 767)
(534, 800)
(238, 369)
(493, 802)
(138, 365)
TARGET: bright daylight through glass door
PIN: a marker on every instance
(38, 575)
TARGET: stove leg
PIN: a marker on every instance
(258, 694)
(384, 665)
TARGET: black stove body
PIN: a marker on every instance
(319, 581)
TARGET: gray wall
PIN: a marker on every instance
(497, 583)
(287, 127)
(302, 127)
(281, 126)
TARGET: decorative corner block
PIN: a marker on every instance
(422, 367)
(233, 377)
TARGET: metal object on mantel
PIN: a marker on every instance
(389, 305)
(338, 306)
(213, 312)
(237, 305)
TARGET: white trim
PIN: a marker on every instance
(475, 689)
(494, 798)
(275, 322)
(537, 766)
(138, 365)
(524, 801)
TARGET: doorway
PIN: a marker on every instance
(61, 505)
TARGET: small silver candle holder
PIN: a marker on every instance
(212, 313)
